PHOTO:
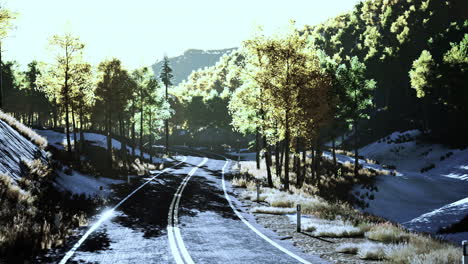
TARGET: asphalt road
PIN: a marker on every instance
(179, 216)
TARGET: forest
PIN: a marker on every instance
(384, 66)
(306, 100)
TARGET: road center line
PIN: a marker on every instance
(108, 214)
(176, 243)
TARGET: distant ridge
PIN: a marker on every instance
(192, 59)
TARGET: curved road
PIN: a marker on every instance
(181, 215)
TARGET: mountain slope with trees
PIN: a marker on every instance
(191, 60)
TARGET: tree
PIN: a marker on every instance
(68, 54)
(5, 24)
(166, 78)
(357, 99)
(113, 94)
(280, 66)
(83, 97)
(144, 83)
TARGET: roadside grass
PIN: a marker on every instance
(332, 228)
(333, 216)
(272, 210)
(34, 215)
(25, 131)
(388, 233)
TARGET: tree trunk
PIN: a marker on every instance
(257, 148)
(133, 128)
(167, 124)
(109, 136)
(74, 127)
(304, 168)
(123, 149)
(286, 161)
(268, 162)
(141, 129)
(82, 137)
(334, 157)
(150, 150)
(318, 159)
(277, 160)
(356, 158)
(312, 163)
(67, 126)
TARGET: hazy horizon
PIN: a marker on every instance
(141, 33)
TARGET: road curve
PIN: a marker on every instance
(191, 197)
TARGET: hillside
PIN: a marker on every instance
(192, 59)
(16, 149)
(429, 191)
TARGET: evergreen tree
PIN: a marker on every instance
(166, 77)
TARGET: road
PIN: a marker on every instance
(180, 215)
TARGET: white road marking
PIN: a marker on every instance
(176, 243)
(108, 214)
(253, 228)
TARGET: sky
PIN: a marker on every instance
(141, 32)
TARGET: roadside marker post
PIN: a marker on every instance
(258, 192)
(298, 229)
(465, 251)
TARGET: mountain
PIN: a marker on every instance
(192, 59)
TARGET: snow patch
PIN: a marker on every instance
(79, 183)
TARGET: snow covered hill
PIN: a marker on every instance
(430, 189)
(58, 140)
(15, 148)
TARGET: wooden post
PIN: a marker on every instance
(298, 218)
(465, 251)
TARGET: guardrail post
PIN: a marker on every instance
(465, 251)
(298, 209)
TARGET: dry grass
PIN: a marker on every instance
(272, 210)
(332, 228)
(368, 250)
(388, 233)
(373, 251)
(24, 130)
(339, 219)
(29, 218)
(424, 249)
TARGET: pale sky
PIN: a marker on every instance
(140, 32)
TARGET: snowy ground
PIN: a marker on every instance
(59, 140)
(244, 154)
(421, 201)
(78, 183)
(14, 148)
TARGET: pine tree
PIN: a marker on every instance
(166, 77)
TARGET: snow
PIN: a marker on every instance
(58, 140)
(243, 155)
(343, 159)
(421, 201)
(14, 148)
(439, 218)
(79, 183)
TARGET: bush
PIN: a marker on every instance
(387, 233)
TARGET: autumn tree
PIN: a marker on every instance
(59, 78)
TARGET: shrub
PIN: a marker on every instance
(387, 233)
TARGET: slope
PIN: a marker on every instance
(192, 59)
